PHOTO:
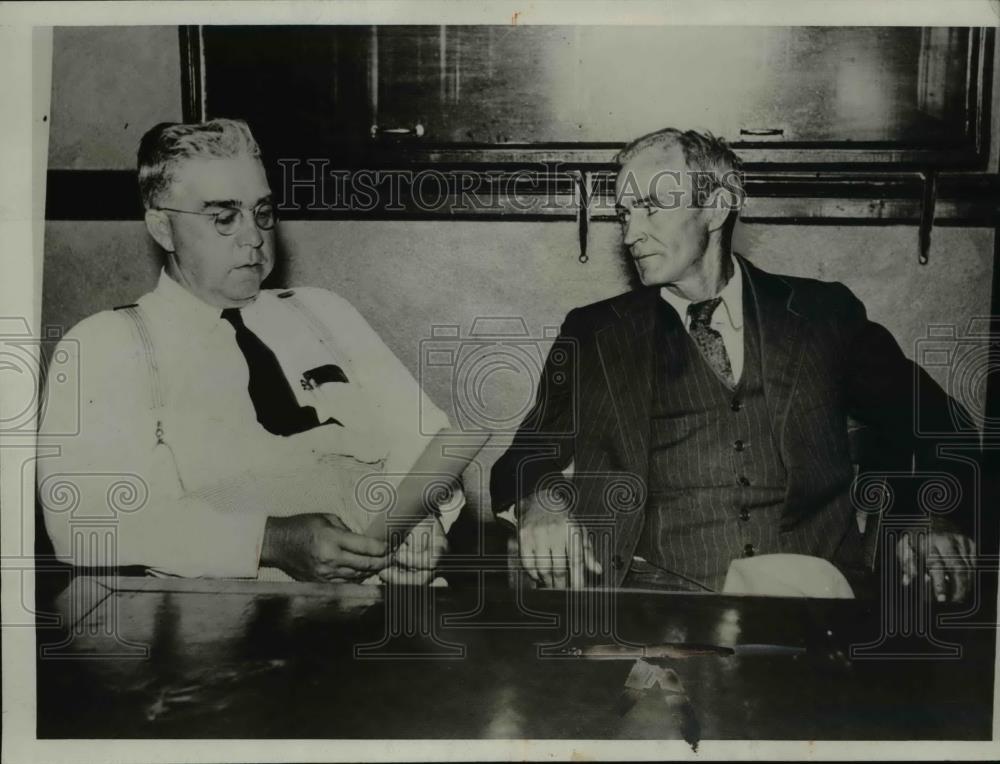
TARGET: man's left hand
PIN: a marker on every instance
(950, 560)
(417, 557)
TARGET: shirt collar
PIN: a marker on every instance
(182, 305)
(732, 299)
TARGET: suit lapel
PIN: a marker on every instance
(625, 347)
(781, 333)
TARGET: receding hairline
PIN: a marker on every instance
(661, 150)
(661, 139)
(663, 158)
(177, 175)
(169, 146)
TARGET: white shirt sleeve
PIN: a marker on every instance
(110, 492)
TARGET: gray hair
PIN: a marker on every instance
(707, 157)
(165, 146)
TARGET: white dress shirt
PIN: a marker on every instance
(205, 474)
(727, 319)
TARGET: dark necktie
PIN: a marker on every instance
(277, 409)
(708, 340)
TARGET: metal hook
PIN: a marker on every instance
(927, 215)
(584, 193)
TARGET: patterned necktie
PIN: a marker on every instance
(277, 409)
(708, 340)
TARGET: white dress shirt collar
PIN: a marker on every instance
(732, 299)
(182, 305)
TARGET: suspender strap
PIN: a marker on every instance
(141, 331)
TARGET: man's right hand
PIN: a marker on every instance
(318, 547)
(555, 550)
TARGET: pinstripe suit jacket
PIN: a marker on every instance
(822, 362)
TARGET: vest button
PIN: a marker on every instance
(739, 445)
(744, 514)
(617, 562)
(736, 404)
(748, 550)
(743, 480)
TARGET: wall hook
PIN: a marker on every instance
(584, 195)
(927, 215)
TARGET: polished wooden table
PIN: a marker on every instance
(175, 658)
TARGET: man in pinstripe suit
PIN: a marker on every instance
(704, 416)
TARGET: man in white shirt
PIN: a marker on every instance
(226, 430)
(705, 415)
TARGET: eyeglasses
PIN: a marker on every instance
(229, 219)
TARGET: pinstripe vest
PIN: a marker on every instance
(716, 480)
